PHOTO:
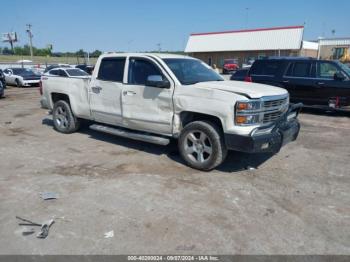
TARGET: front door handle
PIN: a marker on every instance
(286, 81)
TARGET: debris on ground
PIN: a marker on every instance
(250, 168)
(27, 222)
(49, 195)
(8, 123)
(109, 234)
(44, 227)
(28, 231)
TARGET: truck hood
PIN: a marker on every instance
(248, 89)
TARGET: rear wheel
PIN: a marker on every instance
(202, 146)
(63, 119)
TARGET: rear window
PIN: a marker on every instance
(268, 68)
(299, 69)
(230, 61)
(112, 69)
(241, 73)
(76, 72)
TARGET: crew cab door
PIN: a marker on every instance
(147, 108)
(105, 91)
(329, 86)
(299, 81)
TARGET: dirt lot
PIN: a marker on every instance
(296, 202)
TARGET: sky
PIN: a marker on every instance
(146, 25)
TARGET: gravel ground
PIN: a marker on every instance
(295, 202)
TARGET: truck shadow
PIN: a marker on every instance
(235, 161)
(322, 112)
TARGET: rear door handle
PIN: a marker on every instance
(286, 81)
(319, 84)
(129, 93)
(96, 89)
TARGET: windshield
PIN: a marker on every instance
(191, 71)
(22, 71)
(230, 61)
(345, 68)
(76, 72)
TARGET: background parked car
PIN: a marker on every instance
(87, 68)
(240, 74)
(56, 66)
(21, 77)
(67, 72)
(316, 83)
(230, 65)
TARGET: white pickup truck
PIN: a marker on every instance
(158, 97)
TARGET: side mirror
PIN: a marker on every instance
(157, 81)
(339, 76)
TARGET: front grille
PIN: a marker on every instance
(274, 103)
(271, 117)
(274, 109)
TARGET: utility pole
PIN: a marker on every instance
(159, 47)
(29, 31)
(246, 17)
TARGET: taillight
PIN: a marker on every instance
(41, 88)
(248, 79)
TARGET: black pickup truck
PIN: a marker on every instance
(316, 83)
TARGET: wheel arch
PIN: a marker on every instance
(186, 117)
(57, 96)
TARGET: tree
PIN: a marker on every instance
(7, 51)
(96, 53)
(80, 53)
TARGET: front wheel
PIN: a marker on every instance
(18, 83)
(202, 146)
(63, 119)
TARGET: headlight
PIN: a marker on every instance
(247, 112)
(251, 105)
(247, 119)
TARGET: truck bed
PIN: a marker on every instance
(77, 90)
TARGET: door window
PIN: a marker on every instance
(299, 69)
(140, 69)
(62, 73)
(326, 70)
(55, 72)
(112, 69)
(268, 68)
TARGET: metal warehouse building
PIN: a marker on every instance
(247, 45)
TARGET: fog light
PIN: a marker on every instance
(265, 146)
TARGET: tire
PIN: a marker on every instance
(2, 90)
(18, 83)
(64, 120)
(202, 146)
